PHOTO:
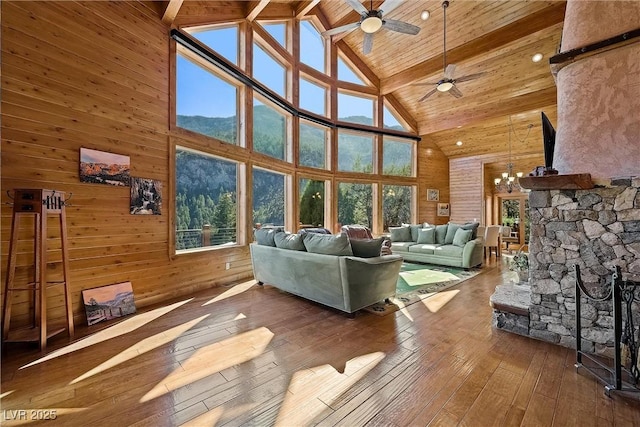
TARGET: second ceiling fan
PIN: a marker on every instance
(448, 82)
(372, 20)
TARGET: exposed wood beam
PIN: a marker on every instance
(479, 46)
(170, 13)
(255, 7)
(304, 8)
(465, 117)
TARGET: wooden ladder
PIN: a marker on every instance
(37, 204)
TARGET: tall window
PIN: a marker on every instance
(355, 204)
(397, 157)
(269, 71)
(355, 109)
(312, 46)
(206, 103)
(313, 97)
(314, 142)
(355, 152)
(206, 206)
(396, 205)
(269, 130)
(312, 202)
(223, 40)
(268, 197)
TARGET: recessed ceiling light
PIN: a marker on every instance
(425, 15)
(459, 143)
(537, 57)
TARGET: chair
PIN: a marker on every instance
(356, 231)
(509, 236)
(492, 239)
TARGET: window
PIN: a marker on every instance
(355, 204)
(346, 73)
(314, 143)
(396, 205)
(391, 121)
(277, 30)
(355, 152)
(205, 103)
(269, 130)
(397, 157)
(355, 109)
(268, 197)
(223, 40)
(206, 205)
(269, 71)
(312, 202)
(313, 97)
(312, 46)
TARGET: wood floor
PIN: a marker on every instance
(247, 355)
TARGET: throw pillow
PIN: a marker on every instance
(366, 248)
(328, 244)
(400, 234)
(451, 233)
(441, 233)
(290, 241)
(414, 230)
(427, 236)
(264, 236)
(462, 237)
(473, 226)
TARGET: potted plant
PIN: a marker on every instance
(520, 264)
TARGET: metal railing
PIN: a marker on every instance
(204, 237)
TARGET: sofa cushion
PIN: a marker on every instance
(401, 246)
(427, 235)
(414, 230)
(328, 244)
(265, 236)
(289, 241)
(473, 226)
(400, 234)
(441, 233)
(423, 249)
(451, 233)
(366, 248)
(462, 237)
(449, 251)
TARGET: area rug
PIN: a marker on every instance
(420, 281)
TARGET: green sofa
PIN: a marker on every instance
(441, 244)
(341, 280)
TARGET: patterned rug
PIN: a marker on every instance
(420, 281)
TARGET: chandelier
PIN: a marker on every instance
(509, 180)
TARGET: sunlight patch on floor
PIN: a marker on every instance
(312, 391)
(142, 347)
(439, 300)
(235, 290)
(213, 358)
(402, 308)
(209, 418)
(6, 393)
(124, 327)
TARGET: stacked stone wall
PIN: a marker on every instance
(597, 229)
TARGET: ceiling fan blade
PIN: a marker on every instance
(357, 6)
(389, 5)
(401, 27)
(424, 84)
(448, 72)
(341, 29)
(431, 92)
(455, 92)
(469, 77)
(367, 44)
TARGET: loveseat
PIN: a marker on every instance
(328, 269)
(455, 245)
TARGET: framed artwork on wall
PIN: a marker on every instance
(443, 209)
(100, 167)
(433, 195)
(146, 196)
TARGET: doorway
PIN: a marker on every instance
(513, 211)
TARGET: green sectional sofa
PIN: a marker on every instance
(450, 244)
(328, 269)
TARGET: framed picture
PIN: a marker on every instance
(443, 209)
(433, 195)
(146, 196)
(100, 167)
(108, 302)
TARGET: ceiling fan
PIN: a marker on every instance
(371, 21)
(448, 82)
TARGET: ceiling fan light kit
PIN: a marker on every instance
(371, 23)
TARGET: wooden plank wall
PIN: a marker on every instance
(433, 169)
(94, 74)
(466, 189)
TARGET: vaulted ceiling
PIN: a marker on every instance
(496, 38)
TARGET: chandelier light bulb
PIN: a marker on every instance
(519, 174)
(505, 175)
(496, 181)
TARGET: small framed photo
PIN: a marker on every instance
(433, 195)
(443, 209)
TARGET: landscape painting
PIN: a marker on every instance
(146, 196)
(100, 167)
(108, 302)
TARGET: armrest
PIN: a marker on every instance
(473, 253)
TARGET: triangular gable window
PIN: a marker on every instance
(346, 73)
(222, 40)
(391, 122)
(277, 30)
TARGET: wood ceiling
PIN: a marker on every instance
(497, 38)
